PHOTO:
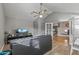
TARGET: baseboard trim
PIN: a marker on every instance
(2, 47)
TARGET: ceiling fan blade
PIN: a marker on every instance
(36, 15)
(35, 12)
(42, 11)
(32, 12)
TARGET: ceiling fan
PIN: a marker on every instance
(41, 13)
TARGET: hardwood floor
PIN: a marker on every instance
(61, 40)
(61, 46)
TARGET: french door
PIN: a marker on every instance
(49, 29)
(74, 30)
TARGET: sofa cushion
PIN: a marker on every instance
(22, 41)
(35, 43)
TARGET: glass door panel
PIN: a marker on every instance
(49, 29)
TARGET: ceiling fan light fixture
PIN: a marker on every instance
(42, 11)
(40, 16)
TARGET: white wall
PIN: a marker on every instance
(18, 15)
(1, 26)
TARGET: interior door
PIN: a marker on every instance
(49, 29)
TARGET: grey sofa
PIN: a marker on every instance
(32, 46)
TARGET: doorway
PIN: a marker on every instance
(61, 33)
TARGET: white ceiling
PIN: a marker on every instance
(63, 7)
(19, 10)
(23, 10)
